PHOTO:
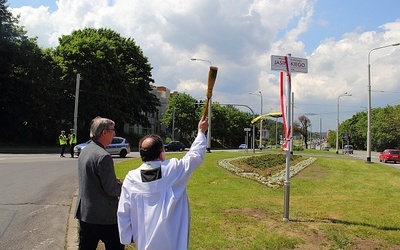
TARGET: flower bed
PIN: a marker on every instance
(274, 181)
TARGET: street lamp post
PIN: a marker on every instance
(337, 120)
(276, 129)
(261, 120)
(320, 128)
(369, 100)
(173, 123)
(208, 147)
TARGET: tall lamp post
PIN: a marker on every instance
(369, 100)
(337, 121)
(209, 112)
(320, 128)
(261, 120)
(276, 129)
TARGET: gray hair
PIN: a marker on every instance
(98, 125)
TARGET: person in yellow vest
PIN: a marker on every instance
(72, 142)
(63, 142)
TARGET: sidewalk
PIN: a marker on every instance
(72, 227)
(72, 237)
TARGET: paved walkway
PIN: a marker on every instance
(72, 228)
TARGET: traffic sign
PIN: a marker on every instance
(296, 64)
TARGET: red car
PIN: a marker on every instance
(390, 155)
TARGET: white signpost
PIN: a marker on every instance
(296, 64)
(247, 136)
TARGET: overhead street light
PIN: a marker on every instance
(261, 106)
(209, 112)
(369, 100)
(197, 59)
(337, 120)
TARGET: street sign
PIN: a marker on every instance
(296, 64)
(247, 129)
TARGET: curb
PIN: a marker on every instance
(72, 227)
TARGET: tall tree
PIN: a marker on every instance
(26, 101)
(115, 78)
(303, 127)
(182, 113)
(228, 125)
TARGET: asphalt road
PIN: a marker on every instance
(35, 200)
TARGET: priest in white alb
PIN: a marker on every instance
(153, 209)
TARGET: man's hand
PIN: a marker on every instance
(203, 124)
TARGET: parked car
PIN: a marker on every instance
(390, 155)
(174, 146)
(118, 146)
(348, 149)
(242, 146)
(325, 148)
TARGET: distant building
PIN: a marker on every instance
(163, 94)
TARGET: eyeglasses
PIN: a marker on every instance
(112, 129)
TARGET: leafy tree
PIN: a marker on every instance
(385, 128)
(10, 33)
(275, 129)
(115, 78)
(182, 112)
(302, 128)
(228, 124)
(27, 101)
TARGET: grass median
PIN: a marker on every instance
(335, 203)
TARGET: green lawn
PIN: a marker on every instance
(335, 203)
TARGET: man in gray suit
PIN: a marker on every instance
(99, 189)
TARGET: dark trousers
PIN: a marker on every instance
(71, 149)
(62, 149)
(90, 234)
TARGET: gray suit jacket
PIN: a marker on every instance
(98, 188)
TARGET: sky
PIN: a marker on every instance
(337, 38)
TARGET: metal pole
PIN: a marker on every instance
(337, 126)
(78, 80)
(369, 101)
(337, 122)
(173, 123)
(261, 102)
(320, 133)
(287, 180)
(261, 120)
(291, 123)
(253, 137)
(287, 177)
(247, 140)
(369, 112)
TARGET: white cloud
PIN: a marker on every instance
(239, 37)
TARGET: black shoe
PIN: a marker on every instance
(62, 156)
